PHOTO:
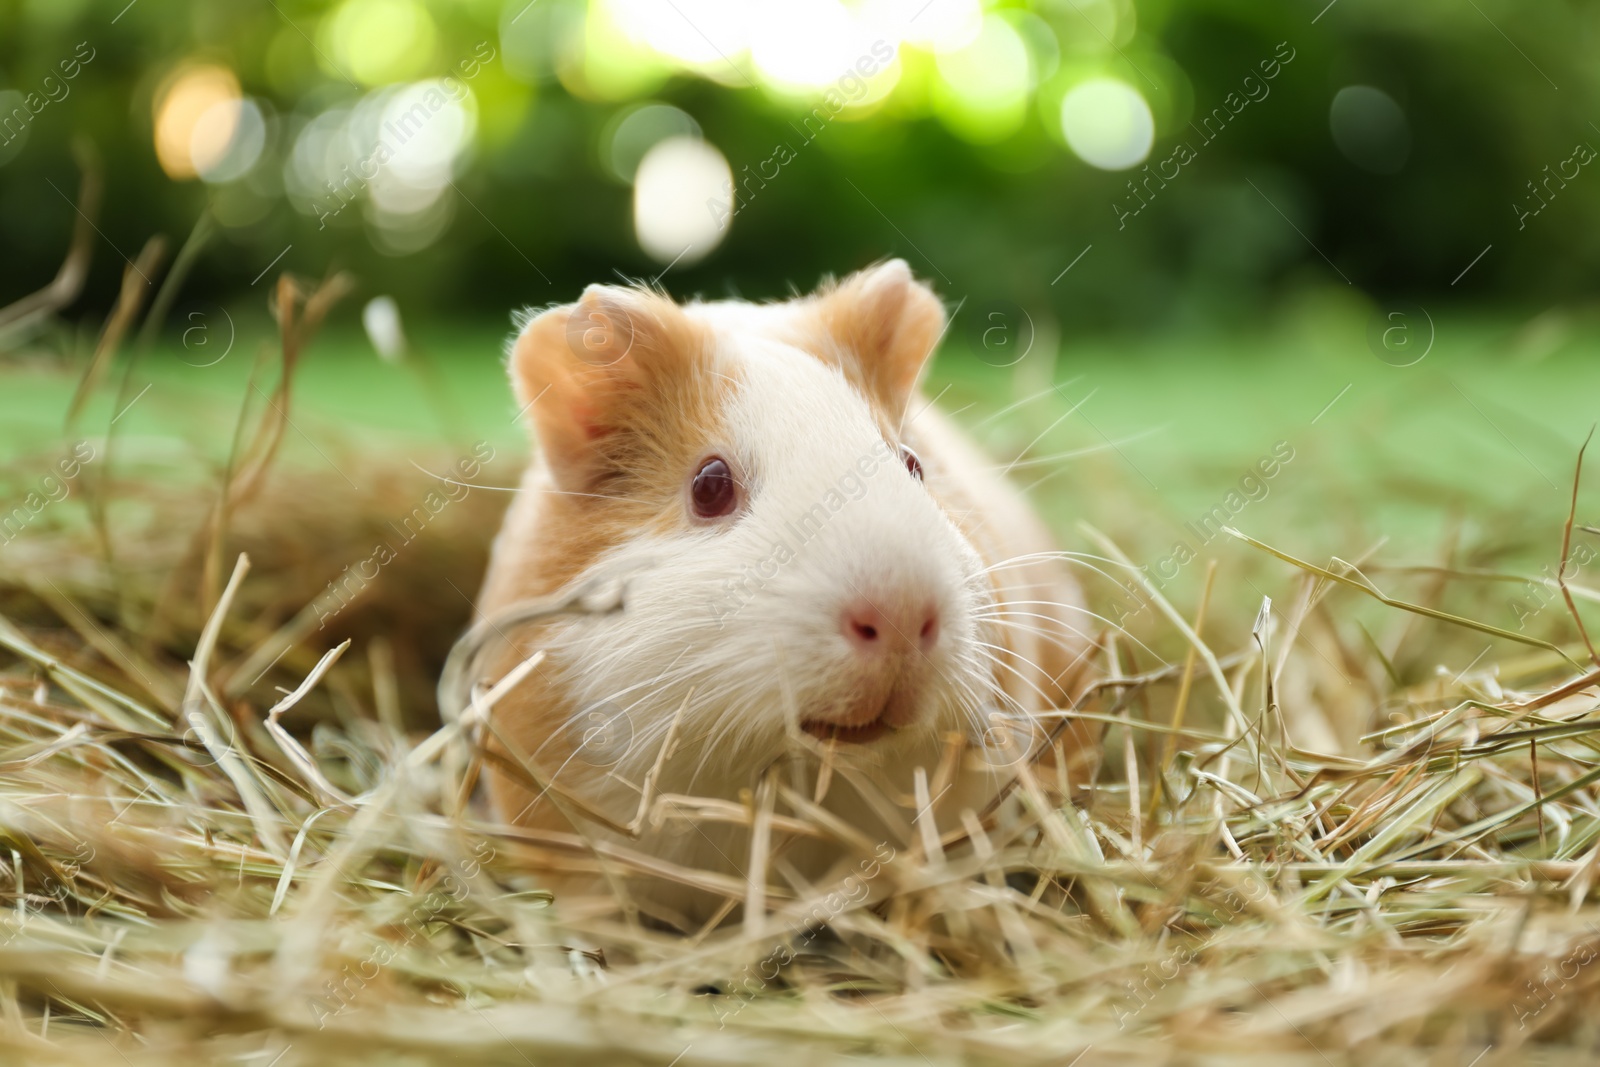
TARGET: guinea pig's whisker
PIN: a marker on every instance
(1007, 611)
(1064, 605)
(1024, 402)
(996, 688)
(968, 688)
(1051, 635)
(1061, 625)
(1026, 627)
(1003, 699)
(1074, 453)
(997, 657)
(908, 416)
(1003, 620)
(970, 701)
(1047, 554)
(729, 724)
(1024, 593)
(550, 490)
(1086, 559)
(1012, 594)
(1002, 653)
(1057, 626)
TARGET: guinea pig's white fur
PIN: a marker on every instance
(739, 634)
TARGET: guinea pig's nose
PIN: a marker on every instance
(884, 625)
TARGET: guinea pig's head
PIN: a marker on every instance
(752, 470)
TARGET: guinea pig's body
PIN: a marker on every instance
(819, 570)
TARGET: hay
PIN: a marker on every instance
(229, 833)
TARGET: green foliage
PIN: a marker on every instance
(962, 167)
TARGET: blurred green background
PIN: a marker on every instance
(989, 144)
(1203, 227)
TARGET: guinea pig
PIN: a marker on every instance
(824, 581)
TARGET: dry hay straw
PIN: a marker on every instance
(187, 879)
(200, 863)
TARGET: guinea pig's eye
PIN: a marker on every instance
(913, 464)
(713, 493)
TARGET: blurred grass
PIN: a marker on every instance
(1474, 444)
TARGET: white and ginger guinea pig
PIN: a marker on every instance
(824, 582)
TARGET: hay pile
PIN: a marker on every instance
(195, 868)
(232, 830)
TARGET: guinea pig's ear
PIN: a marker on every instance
(587, 374)
(889, 322)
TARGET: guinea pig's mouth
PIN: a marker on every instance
(888, 713)
(852, 735)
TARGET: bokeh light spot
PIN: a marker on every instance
(1370, 129)
(804, 44)
(1108, 124)
(983, 87)
(682, 200)
(186, 145)
(535, 36)
(636, 130)
(381, 319)
(936, 25)
(615, 65)
(425, 127)
(240, 128)
(1096, 26)
(694, 32)
(379, 41)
